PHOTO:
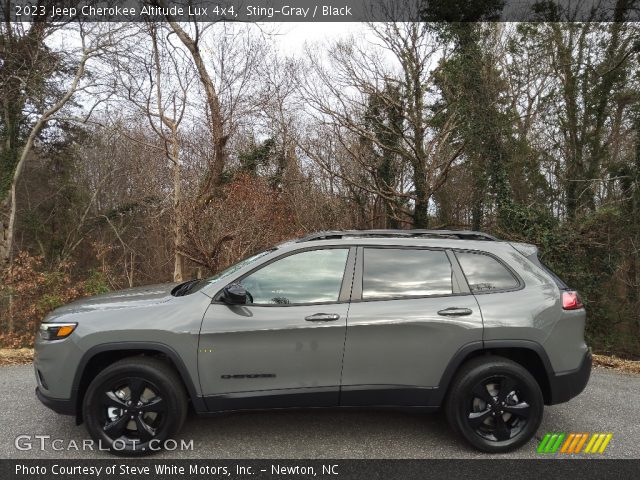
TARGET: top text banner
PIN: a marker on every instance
(322, 10)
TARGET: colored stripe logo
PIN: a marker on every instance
(573, 443)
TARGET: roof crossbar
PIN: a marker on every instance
(456, 234)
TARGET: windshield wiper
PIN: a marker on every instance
(184, 288)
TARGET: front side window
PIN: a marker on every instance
(484, 273)
(308, 277)
(396, 272)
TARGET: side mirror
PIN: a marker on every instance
(234, 294)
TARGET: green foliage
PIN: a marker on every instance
(588, 254)
(458, 12)
(256, 156)
(96, 283)
(30, 79)
(471, 85)
(10, 139)
(49, 302)
(264, 159)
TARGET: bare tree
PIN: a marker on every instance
(158, 86)
(225, 77)
(94, 41)
(380, 113)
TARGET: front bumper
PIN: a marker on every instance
(61, 406)
(566, 385)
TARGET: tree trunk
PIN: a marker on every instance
(421, 212)
(172, 151)
(390, 214)
(476, 211)
(10, 325)
(177, 212)
(5, 232)
(213, 179)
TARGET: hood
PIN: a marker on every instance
(129, 298)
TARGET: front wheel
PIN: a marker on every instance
(495, 404)
(134, 405)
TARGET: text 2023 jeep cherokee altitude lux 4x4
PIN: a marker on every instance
(406, 318)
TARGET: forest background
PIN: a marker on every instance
(141, 153)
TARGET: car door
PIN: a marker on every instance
(411, 312)
(284, 347)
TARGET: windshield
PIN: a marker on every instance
(194, 285)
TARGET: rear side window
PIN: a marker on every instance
(395, 272)
(484, 273)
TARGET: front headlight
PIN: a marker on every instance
(56, 331)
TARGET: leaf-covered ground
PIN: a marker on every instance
(17, 356)
(615, 363)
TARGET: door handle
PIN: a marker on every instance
(455, 312)
(322, 317)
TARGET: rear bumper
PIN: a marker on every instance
(61, 406)
(566, 385)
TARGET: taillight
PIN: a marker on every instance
(571, 300)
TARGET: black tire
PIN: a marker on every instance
(495, 404)
(134, 405)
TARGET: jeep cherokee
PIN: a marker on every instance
(413, 319)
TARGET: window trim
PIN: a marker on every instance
(346, 284)
(357, 295)
(520, 283)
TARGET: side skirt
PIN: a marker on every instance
(376, 396)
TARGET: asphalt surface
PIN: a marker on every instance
(610, 403)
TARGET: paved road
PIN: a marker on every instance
(611, 403)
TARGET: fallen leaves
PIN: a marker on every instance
(16, 356)
(615, 363)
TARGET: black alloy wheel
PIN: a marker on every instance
(498, 410)
(133, 410)
(134, 405)
(495, 404)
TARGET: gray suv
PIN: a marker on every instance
(412, 319)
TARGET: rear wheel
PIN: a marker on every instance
(495, 404)
(134, 405)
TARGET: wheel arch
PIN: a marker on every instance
(101, 356)
(528, 354)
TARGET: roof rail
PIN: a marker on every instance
(457, 234)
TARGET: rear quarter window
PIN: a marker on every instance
(485, 273)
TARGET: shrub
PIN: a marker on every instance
(29, 292)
